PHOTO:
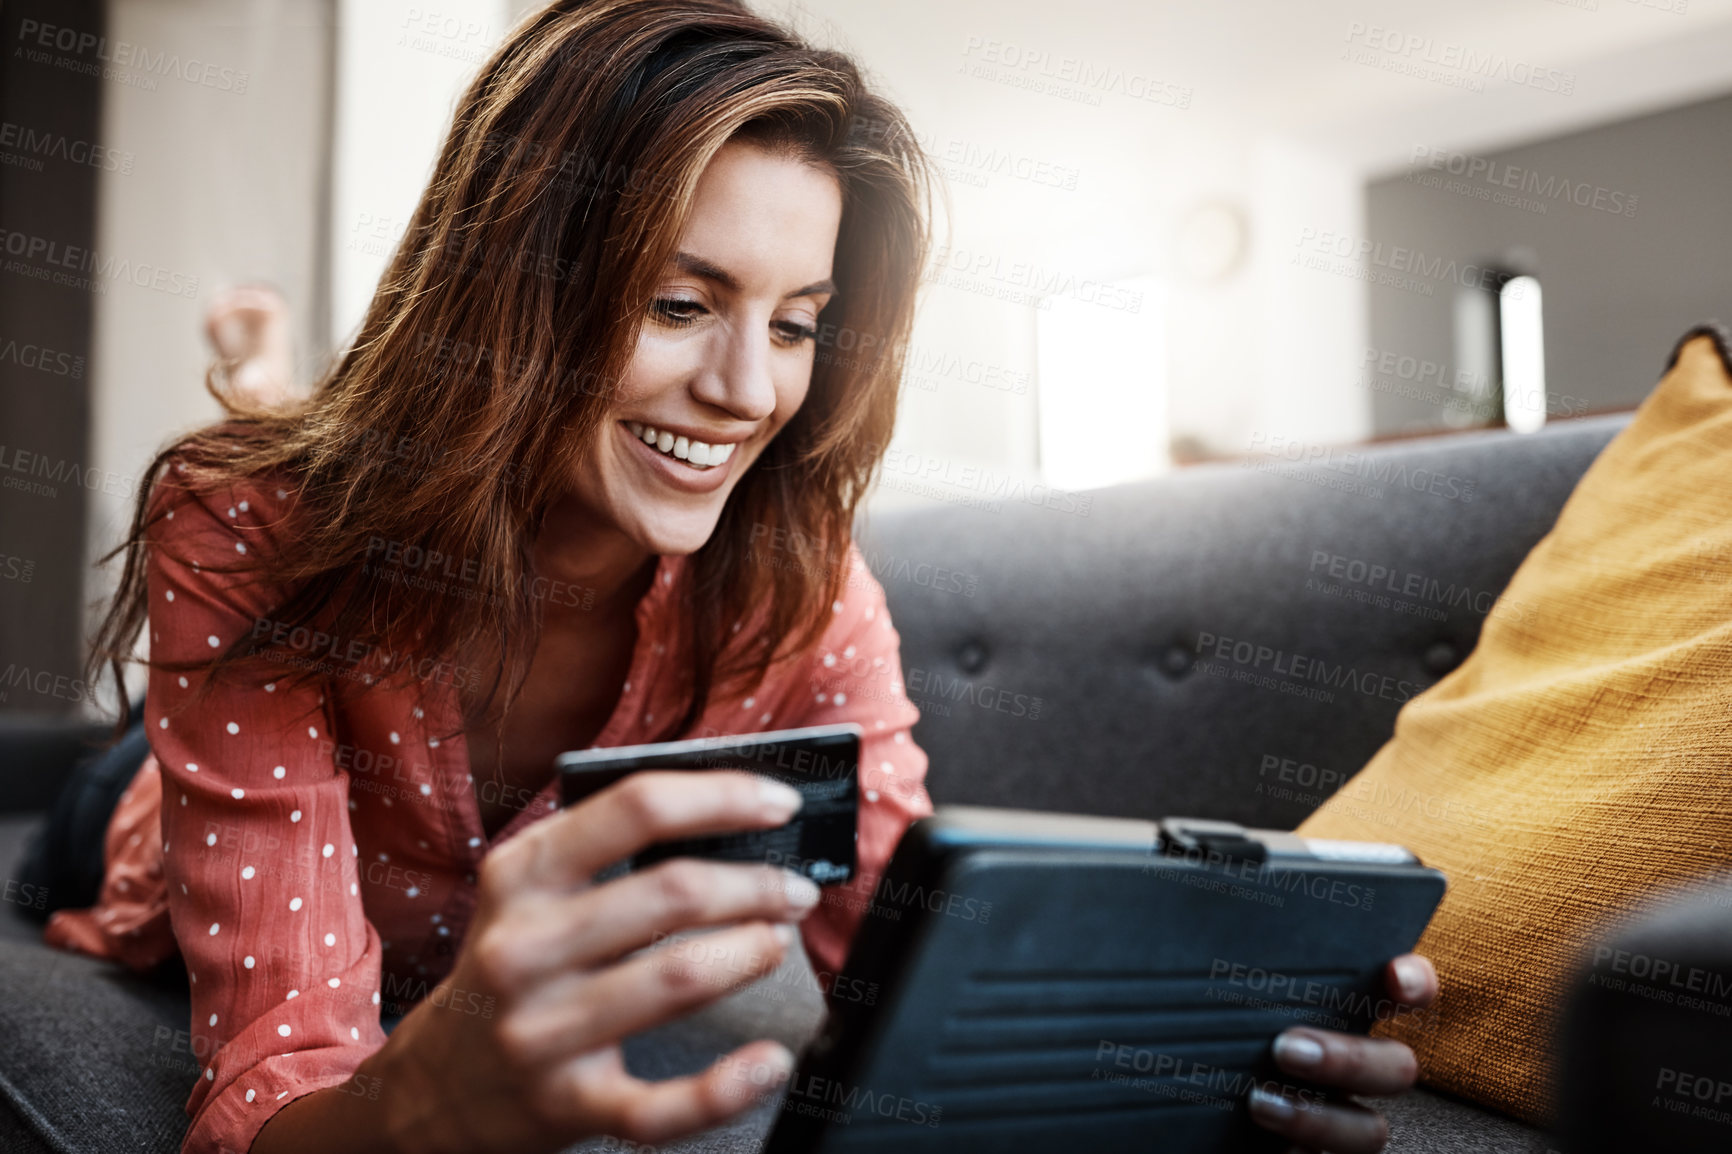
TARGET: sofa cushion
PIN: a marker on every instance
(99, 1059)
(1422, 1122)
(1073, 663)
(1578, 760)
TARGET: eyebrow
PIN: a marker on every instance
(698, 266)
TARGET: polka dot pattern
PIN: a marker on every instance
(240, 774)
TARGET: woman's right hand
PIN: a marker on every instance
(545, 1070)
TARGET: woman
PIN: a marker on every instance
(527, 512)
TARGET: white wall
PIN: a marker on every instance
(226, 185)
(399, 71)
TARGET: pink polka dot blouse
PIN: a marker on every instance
(311, 851)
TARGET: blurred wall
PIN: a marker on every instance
(399, 71)
(51, 160)
(228, 185)
(1628, 228)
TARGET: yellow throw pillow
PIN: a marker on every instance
(1580, 759)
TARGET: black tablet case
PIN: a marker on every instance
(1045, 983)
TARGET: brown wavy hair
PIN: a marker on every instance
(509, 311)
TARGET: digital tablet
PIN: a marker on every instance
(822, 762)
(1031, 983)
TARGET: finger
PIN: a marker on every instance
(1412, 979)
(1347, 1061)
(597, 926)
(580, 1012)
(639, 811)
(1303, 1116)
(657, 1112)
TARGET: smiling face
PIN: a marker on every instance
(725, 357)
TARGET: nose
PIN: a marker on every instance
(739, 379)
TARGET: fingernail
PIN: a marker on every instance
(1410, 978)
(1298, 1051)
(784, 933)
(780, 798)
(802, 892)
(780, 1063)
(1272, 1107)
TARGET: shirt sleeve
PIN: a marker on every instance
(857, 677)
(258, 857)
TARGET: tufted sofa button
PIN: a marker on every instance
(1175, 661)
(971, 657)
(1442, 657)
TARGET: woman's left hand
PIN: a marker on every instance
(1345, 1064)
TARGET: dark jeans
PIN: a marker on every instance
(65, 854)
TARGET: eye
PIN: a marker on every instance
(793, 333)
(676, 312)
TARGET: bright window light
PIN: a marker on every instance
(1103, 386)
(1524, 355)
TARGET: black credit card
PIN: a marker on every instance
(822, 762)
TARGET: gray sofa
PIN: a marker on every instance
(1100, 617)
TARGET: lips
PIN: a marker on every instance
(676, 472)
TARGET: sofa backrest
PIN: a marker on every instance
(1229, 641)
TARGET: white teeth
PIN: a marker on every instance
(700, 454)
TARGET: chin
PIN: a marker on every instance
(678, 534)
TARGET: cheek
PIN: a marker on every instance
(793, 383)
(657, 366)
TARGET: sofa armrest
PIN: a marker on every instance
(1646, 1048)
(37, 753)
